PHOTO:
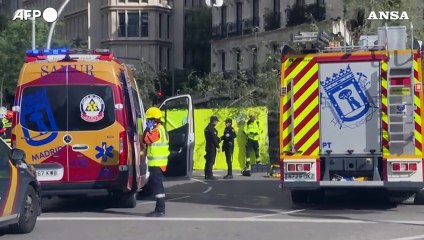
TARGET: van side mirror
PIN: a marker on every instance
(17, 155)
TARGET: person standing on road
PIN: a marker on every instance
(252, 131)
(212, 146)
(228, 145)
(157, 140)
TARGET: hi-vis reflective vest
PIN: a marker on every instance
(158, 152)
(252, 130)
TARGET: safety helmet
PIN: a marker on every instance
(154, 113)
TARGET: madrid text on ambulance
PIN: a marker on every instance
(388, 15)
(49, 14)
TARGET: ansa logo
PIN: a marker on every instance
(388, 15)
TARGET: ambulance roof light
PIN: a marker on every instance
(42, 54)
(45, 52)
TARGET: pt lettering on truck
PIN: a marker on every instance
(46, 153)
(326, 144)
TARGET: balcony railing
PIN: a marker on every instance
(272, 21)
(237, 28)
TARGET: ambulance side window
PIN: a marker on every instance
(127, 103)
(137, 110)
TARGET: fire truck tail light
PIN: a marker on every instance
(395, 167)
(291, 167)
(412, 167)
(298, 167)
(306, 167)
(404, 167)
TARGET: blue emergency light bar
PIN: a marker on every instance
(38, 54)
(62, 51)
(45, 52)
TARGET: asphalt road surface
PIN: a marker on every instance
(242, 208)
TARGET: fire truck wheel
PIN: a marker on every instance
(304, 196)
(299, 196)
(316, 196)
(419, 198)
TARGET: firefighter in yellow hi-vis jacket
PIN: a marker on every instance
(6, 127)
(157, 140)
(252, 131)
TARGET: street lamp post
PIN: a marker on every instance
(33, 33)
(49, 39)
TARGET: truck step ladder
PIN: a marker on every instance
(400, 94)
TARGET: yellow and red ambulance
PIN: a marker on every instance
(79, 117)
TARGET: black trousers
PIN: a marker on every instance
(210, 161)
(156, 183)
(229, 157)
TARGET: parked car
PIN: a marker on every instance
(20, 202)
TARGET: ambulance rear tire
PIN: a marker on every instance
(28, 214)
(128, 200)
(299, 196)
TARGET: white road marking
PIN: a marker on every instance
(207, 190)
(198, 180)
(171, 199)
(275, 214)
(145, 202)
(410, 238)
(272, 220)
(405, 222)
(178, 198)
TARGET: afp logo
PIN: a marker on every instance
(49, 14)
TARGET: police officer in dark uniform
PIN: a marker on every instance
(212, 145)
(228, 145)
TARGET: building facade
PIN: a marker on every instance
(148, 30)
(246, 32)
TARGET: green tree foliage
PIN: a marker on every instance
(238, 89)
(15, 39)
(148, 83)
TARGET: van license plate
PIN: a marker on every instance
(48, 175)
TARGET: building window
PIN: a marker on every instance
(168, 58)
(121, 27)
(160, 25)
(300, 2)
(144, 24)
(133, 24)
(145, 1)
(239, 16)
(255, 8)
(133, 1)
(223, 61)
(160, 58)
(168, 24)
(276, 5)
